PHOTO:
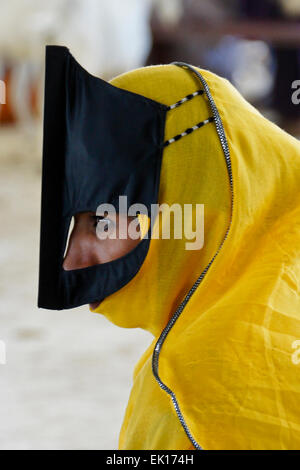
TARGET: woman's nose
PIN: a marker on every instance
(80, 253)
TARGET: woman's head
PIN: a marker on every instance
(138, 136)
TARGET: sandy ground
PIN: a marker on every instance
(68, 374)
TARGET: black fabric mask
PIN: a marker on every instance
(99, 142)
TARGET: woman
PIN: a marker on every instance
(219, 373)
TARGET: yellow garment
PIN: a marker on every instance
(228, 357)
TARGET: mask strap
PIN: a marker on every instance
(190, 129)
(186, 98)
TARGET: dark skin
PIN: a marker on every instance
(85, 248)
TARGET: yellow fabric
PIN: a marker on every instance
(228, 358)
(144, 223)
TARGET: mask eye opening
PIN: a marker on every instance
(71, 226)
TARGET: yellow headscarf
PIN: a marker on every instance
(227, 375)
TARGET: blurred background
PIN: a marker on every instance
(68, 374)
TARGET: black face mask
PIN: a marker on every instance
(99, 142)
